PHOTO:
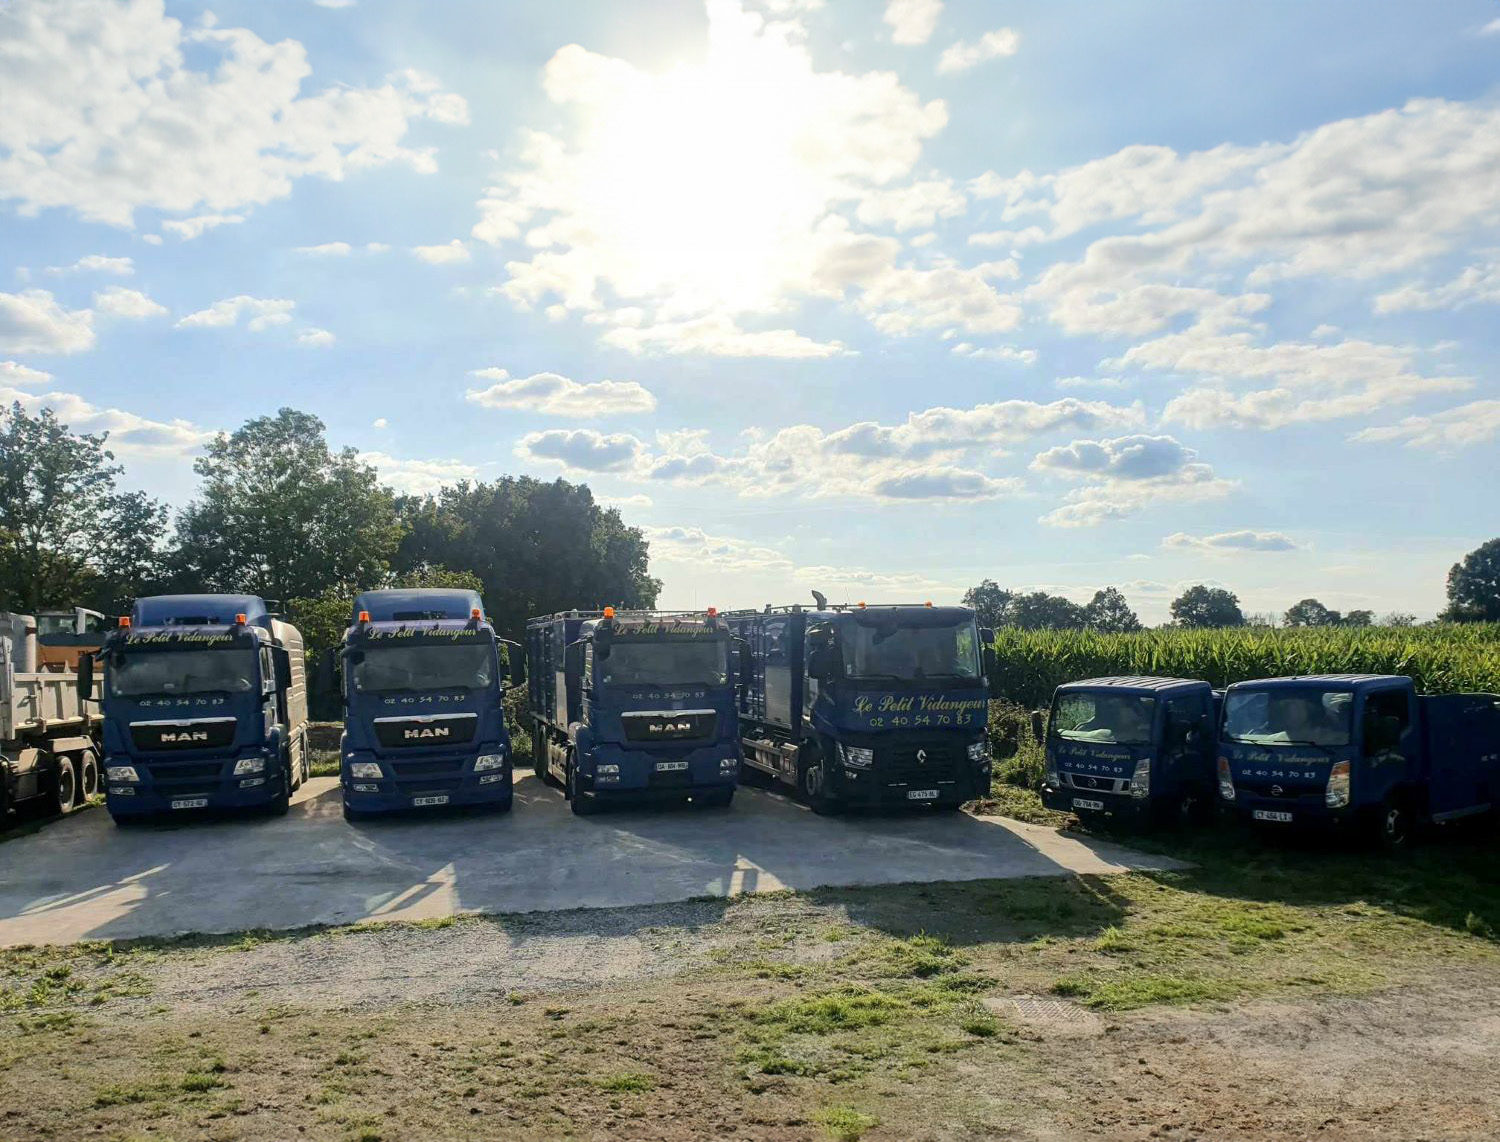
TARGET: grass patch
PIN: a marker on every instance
(629, 1082)
(845, 1124)
(845, 1009)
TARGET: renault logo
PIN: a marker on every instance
(922, 756)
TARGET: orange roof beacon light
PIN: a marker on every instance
(861, 605)
(239, 619)
(713, 612)
(929, 602)
(474, 613)
(609, 612)
(125, 622)
(364, 616)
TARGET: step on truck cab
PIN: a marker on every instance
(1357, 752)
(423, 689)
(1138, 749)
(634, 705)
(866, 705)
(204, 699)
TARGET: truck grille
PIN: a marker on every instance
(919, 762)
(668, 725)
(193, 771)
(168, 736)
(433, 730)
(412, 769)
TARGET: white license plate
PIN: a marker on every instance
(1085, 803)
(437, 799)
(921, 794)
(191, 803)
(1272, 815)
(671, 766)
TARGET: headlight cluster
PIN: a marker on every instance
(1140, 780)
(856, 756)
(364, 769)
(979, 751)
(121, 773)
(488, 761)
(248, 765)
(609, 769)
(1336, 796)
(1226, 780)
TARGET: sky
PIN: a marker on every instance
(877, 298)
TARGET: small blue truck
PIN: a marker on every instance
(634, 705)
(204, 704)
(423, 687)
(1138, 749)
(1358, 752)
(866, 706)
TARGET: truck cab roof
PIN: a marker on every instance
(1326, 681)
(1135, 684)
(417, 604)
(199, 611)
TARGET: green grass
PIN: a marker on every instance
(845, 1124)
(629, 1082)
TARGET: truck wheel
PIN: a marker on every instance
(281, 804)
(539, 753)
(583, 804)
(813, 783)
(88, 775)
(353, 815)
(1393, 825)
(65, 788)
(718, 799)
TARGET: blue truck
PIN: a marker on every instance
(1137, 749)
(634, 705)
(857, 705)
(423, 690)
(204, 706)
(1357, 752)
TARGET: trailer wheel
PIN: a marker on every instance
(88, 775)
(65, 787)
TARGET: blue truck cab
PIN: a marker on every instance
(204, 704)
(634, 705)
(866, 706)
(423, 689)
(1359, 752)
(1135, 748)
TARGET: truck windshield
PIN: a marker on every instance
(424, 668)
(1288, 717)
(183, 672)
(664, 663)
(1123, 719)
(909, 653)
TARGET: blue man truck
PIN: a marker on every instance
(634, 705)
(858, 705)
(204, 702)
(1137, 749)
(1357, 752)
(423, 687)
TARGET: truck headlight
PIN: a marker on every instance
(121, 773)
(1226, 780)
(365, 769)
(247, 765)
(486, 761)
(1140, 780)
(1336, 796)
(857, 756)
(608, 769)
(1051, 776)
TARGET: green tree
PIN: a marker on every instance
(1108, 611)
(1311, 613)
(1398, 619)
(989, 601)
(1041, 611)
(282, 516)
(1474, 586)
(68, 537)
(537, 547)
(1359, 619)
(1203, 606)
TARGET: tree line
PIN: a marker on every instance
(280, 514)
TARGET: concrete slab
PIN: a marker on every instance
(82, 878)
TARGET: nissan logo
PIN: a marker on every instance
(1276, 791)
(922, 756)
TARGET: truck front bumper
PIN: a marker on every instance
(1094, 803)
(150, 796)
(615, 773)
(450, 781)
(1300, 813)
(867, 788)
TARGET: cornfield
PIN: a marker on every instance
(1440, 659)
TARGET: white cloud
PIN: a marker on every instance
(315, 337)
(15, 373)
(1477, 283)
(335, 3)
(992, 45)
(189, 228)
(994, 353)
(635, 501)
(418, 477)
(719, 336)
(1125, 475)
(913, 207)
(912, 22)
(454, 251)
(582, 449)
(264, 312)
(106, 113)
(1445, 432)
(97, 263)
(117, 301)
(33, 322)
(326, 250)
(129, 434)
(380, 422)
(1231, 542)
(1492, 28)
(559, 396)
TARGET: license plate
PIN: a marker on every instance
(1085, 803)
(671, 766)
(438, 799)
(921, 794)
(191, 803)
(1272, 815)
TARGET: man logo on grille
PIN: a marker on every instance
(922, 756)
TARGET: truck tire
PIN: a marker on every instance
(718, 799)
(88, 775)
(539, 753)
(583, 804)
(1393, 824)
(353, 815)
(65, 786)
(281, 804)
(812, 784)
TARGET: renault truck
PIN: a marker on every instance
(866, 706)
(423, 685)
(634, 705)
(204, 704)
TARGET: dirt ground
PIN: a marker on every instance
(1155, 1005)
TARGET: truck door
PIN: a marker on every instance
(1386, 755)
(1185, 734)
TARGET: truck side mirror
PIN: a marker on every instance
(824, 664)
(85, 680)
(1039, 726)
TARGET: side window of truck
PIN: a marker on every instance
(1187, 713)
(1393, 704)
(267, 671)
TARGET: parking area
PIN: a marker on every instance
(82, 878)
